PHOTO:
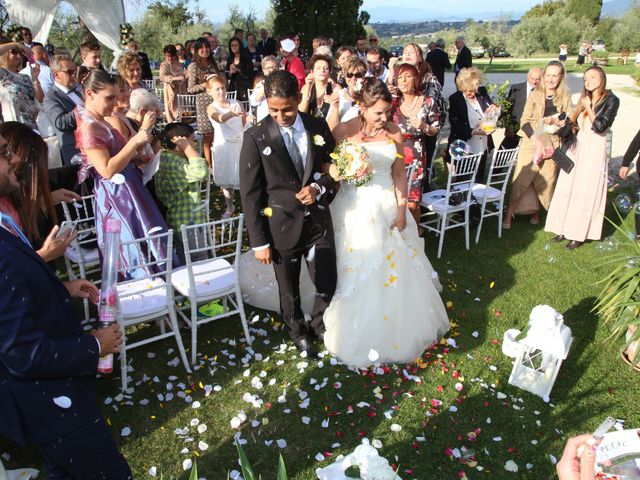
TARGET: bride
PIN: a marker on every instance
(386, 307)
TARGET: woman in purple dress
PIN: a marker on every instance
(118, 187)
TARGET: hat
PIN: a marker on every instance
(288, 45)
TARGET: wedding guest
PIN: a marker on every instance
(217, 51)
(59, 103)
(317, 88)
(239, 69)
(375, 43)
(254, 54)
(118, 118)
(239, 34)
(439, 61)
(145, 66)
(577, 208)
(189, 51)
(142, 101)
(267, 45)
(464, 58)
(172, 75)
(32, 206)
(377, 68)
(629, 156)
(562, 57)
(316, 43)
(361, 48)
(533, 183)
(90, 55)
(40, 57)
(343, 106)
(466, 109)
(416, 116)
(257, 98)
(228, 120)
(180, 174)
(303, 54)
(130, 69)
(181, 53)
(290, 61)
(204, 64)
(342, 54)
(518, 95)
(105, 154)
(27, 36)
(18, 92)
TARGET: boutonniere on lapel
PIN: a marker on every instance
(318, 141)
(267, 151)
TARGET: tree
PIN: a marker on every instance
(544, 9)
(584, 9)
(490, 35)
(527, 37)
(340, 19)
(626, 34)
(238, 19)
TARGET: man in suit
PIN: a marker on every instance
(59, 103)
(518, 94)
(464, 58)
(90, 55)
(145, 66)
(438, 60)
(361, 48)
(281, 167)
(218, 51)
(267, 45)
(47, 364)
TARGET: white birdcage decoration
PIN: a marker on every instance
(539, 355)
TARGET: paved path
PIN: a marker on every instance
(627, 121)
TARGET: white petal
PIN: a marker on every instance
(62, 402)
(126, 431)
(373, 355)
(395, 427)
(186, 464)
(281, 443)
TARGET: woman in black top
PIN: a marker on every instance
(239, 69)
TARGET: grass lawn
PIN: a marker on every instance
(457, 396)
(507, 65)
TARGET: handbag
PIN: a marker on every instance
(563, 160)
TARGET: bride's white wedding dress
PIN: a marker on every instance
(387, 296)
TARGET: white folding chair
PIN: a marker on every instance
(187, 108)
(442, 206)
(232, 95)
(205, 196)
(494, 191)
(148, 84)
(82, 257)
(409, 171)
(441, 135)
(204, 280)
(148, 296)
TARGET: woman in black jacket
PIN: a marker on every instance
(466, 109)
(239, 69)
(577, 208)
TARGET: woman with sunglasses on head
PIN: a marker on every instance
(18, 92)
(202, 66)
(343, 107)
(172, 75)
(577, 208)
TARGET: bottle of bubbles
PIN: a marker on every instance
(108, 306)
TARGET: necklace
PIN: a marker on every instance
(369, 135)
(413, 105)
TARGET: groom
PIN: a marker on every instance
(280, 168)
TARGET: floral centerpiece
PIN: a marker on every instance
(351, 164)
(126, 34)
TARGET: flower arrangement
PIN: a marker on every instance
(14, 32)
(366, 460)
(126, 34)
(351, 164)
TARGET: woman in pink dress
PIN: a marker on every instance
(577, 207)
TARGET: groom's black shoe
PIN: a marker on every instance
(304, 345)
(319, 336)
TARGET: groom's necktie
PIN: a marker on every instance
(294, 152)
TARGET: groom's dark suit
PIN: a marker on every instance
(268, 178)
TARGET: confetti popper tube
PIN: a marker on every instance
(108, 306)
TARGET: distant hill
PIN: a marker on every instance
(394, 14)
(394, 29)
(616, 7)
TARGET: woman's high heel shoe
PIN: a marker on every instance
(506, 223)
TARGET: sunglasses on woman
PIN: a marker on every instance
(357, 75)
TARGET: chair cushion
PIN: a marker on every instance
(150, 300)
(91, 255)
(435, 201)
(207, 284)
(479, 189)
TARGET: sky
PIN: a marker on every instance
(218, 9)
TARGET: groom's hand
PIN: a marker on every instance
(307, 196)
(263, 255)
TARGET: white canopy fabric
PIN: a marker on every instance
(102, 17)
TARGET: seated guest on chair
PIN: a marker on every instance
(518, 94)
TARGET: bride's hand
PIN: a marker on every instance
(401, 220)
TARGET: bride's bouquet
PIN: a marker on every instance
(351, 164)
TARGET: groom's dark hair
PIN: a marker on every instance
(281, 84)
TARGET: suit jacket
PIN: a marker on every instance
(43, 353)
(145, 66)
(459, 116)
(439, 61)
(463, 59)
(266, 47)
(268, 179)
(59, 109)
(518, 98)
